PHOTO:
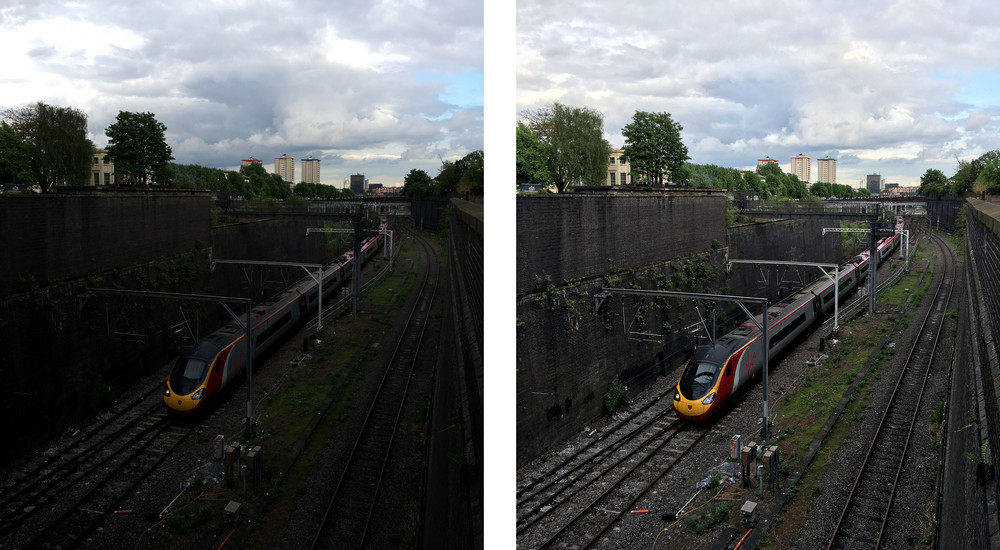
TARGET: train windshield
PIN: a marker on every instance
(698, 378)
(187, 374)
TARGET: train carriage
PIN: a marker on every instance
(202, 371)
(718, 371)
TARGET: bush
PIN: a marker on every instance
(616, 397)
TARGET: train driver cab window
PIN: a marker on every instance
(698, 378)
(187, 375)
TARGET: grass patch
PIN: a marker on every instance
(706, 519)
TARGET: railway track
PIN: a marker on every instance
(579, 501)
(26, 491)
(79, 488)
(348, 516)
(862, 522)
(567, 477)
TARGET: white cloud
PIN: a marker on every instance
(747, 80)
(231, 79)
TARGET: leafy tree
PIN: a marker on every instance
(579, 151)
(138, 147)
(794, 187)
(862, 193)
(449, 179)
(15, 157)
(966, 175)
(539, 121)
(417, 184)
(471, 182)
(752, 182)
(59, 150)
(261, 184)
(933, 183)
(654, 148)
(988, 179)
(316, 190)
(821, 189)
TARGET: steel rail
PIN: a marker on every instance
(945, 277)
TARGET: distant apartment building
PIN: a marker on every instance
(802, 167)
(358, 182)
(249, 161)
(102, 171)
(619, 169)
(765, 160)
(827, 168)
(284, 166)
(873, 182)
(310, 170)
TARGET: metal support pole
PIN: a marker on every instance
(248, 335)
(872, 271)
(836, 298)
(356, 263)
(250, 350)
(223, 300)
(765, 428)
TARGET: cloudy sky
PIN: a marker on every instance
(892, 88)
(376, 88)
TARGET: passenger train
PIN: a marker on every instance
(204, 369)
(716, 371)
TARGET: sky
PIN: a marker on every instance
(376, 88)
(889, 88)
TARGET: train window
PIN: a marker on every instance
(187, 375)
(269, 331)
(789, 328)
(698, 378)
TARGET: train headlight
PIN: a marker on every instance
(197, 395)
(708, 400)
(166, 391)
(677, 396)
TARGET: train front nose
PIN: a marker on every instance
(184, 404)
(695, 409)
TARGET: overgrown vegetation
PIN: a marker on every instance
(706, 519)
(616, 397)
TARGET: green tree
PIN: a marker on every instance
(862, 193)
(533, 157)
(60, 151)
(966, 175)
(933, 183)
(794, 187)
(579, 151)
(471, 182)
(822, 189)
(654, 148)
(15, 157)
(417, 184)
(988, 179)
(138, 147)
(752, 182)
(468, 168)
